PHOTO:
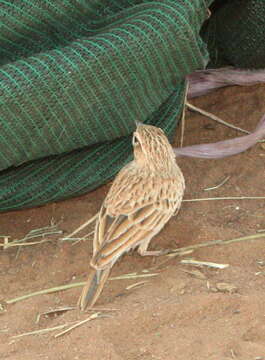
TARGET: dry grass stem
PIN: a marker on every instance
(128, 276)
(183, 253)
(73, 285)
(4, 330)
(224, 181)
(171, 255)
(78, 239)
(140, 283)
(81, 227)
(86, 237)
(6, 242)
(260, 273)
(35, 233)
(41, 232)
(183, 115)
(40, 331)
(101, 309)
(226, 198)
(91, 317)
(215, 118)
(219, 242)
(12, 244)
(54, 311)
(233, 354)
(203, 263)
(45, 291)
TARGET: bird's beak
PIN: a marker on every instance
(137, 123)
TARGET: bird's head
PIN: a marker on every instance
(151, 147)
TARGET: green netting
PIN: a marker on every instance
(74, 77)
(72, 174)
(76, 74)
(235, 33)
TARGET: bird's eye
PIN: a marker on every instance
(135, 141)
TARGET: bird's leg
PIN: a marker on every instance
(142, 250)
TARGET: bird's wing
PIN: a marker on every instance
(135, 209)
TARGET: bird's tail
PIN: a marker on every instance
(93, 288)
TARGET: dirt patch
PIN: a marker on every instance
(174, 315)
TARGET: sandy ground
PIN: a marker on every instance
(176, 314)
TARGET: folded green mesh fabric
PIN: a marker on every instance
(76, 74)
(74, 77)
(235, 33)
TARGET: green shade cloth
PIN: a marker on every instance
(235, 33)
(76, 74)
(74, 77)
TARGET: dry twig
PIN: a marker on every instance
(183, 115)
(218, 242)
(81, 227)
(226, 198)
(73, 285)
(215, 118)
(224, 181)
(140, 283)
(203, 263)
(40, 331)
(35, 233)
(91, 317)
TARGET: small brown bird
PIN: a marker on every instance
(143, 197)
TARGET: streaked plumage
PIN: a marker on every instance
(143, 197)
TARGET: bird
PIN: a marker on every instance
(143, 197)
